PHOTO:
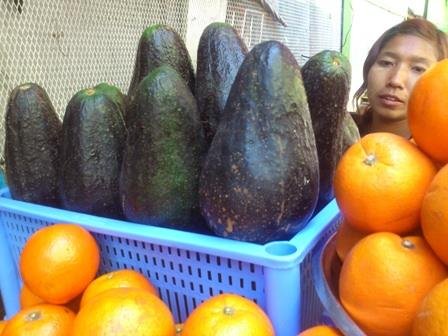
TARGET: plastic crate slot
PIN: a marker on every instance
(145, 258)
(210, 291)
(241, 283)
(190, 271)
(209, 275)
(182, 283)
(199, 273)
(230, 280)
(201, 289)
(177, 310)
(219, 277)
(181, 268)
(253, 286)
(192, 286)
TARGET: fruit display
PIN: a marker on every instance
(235, 154)
(386, 266)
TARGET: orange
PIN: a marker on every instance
(116, 279)
(380, 182)
(346, 238)
(427, 117)
(434, 214)
(322, 330)
(431, 318)
(59, 261)
(2, 325)
(41, 320)
(383, 280)
(124, 311)
(227, 314)
(28, 298)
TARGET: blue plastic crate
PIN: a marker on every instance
(186, 267)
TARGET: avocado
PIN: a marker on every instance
(32, 140)
(326, 76)
(220, 54)
(160, 44)
(162, 157)
(93, 138)
(260, 177)
(350, 132)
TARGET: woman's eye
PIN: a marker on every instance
(385, 63)
(418, 69)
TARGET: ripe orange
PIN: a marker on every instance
(346, 238)
(116, 279)
(227, 314)
(427, 117)
(434, 214)
(322, 330)
(431, 318)
(28, 298)
(59, 261)
(41, 320)
(2, 325)
(124, 311)
(383, 280)
(380, 182)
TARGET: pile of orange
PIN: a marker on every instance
(63, 295)
(393, 197)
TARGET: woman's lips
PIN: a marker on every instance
(390, 101)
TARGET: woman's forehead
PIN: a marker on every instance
(410, 47)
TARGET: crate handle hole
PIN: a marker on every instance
(280, 248)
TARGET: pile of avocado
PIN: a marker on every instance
(244, 148)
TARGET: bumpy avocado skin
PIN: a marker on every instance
(260, 178)
(32, 140)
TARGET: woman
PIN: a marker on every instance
(394, 63)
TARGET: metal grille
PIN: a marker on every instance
(68, 45)
(310, 25)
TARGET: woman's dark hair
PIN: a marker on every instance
(417, 27)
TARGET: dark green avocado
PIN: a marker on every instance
(93, 139)
(220, 54)
(32, 139)
(260, 178)
(163, 153)
(326, 77)
(158, 45)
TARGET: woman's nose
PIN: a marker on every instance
(398, 77)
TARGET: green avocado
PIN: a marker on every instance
(158, 45)
(220, 54)
(163, 153)
(32, 139)
(260, 178)
(93, 138)
(326, 77)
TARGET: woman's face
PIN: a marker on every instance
(391, 78)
